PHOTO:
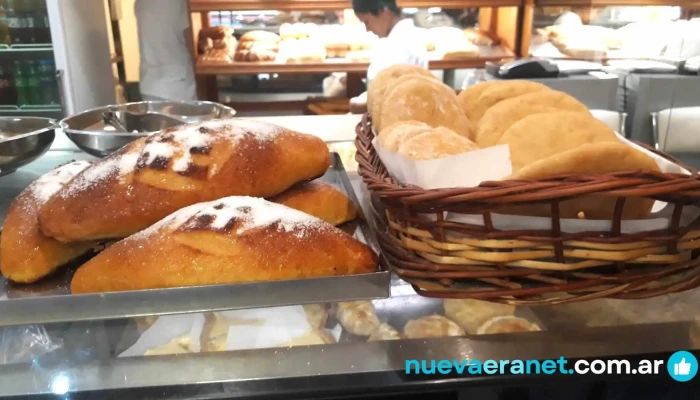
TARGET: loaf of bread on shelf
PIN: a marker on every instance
(320, 200)
(471, 314)
(260, 36)
(258, 46)
(478, 37)
(255, 54)
(155, 176)
(26, 255)
(230, 240)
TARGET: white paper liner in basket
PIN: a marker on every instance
(493, 164)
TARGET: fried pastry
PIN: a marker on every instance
(320, 200)
(384, 332)
(506, 324)
(231, 240)
(153, 177)
(357, 317)
(26, 255)
(433, 326)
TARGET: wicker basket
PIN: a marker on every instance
(447, 259)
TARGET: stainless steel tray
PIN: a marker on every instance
(50, 301)
(23, 140)
(101, 131)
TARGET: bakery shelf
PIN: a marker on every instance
(598, 3)
(494, 53)
(282, 5)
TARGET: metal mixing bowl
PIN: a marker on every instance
(23, 140)
(101, 131)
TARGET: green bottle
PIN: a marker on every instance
(21, 84)
(34, 84)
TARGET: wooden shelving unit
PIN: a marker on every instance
(293, 5)
(499, 18)
(495, 53)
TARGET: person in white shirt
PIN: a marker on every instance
(400, 41)
(165, 46)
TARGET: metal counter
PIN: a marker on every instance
(87, 362)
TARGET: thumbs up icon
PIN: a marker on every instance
(682, 368)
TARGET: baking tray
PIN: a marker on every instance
(50, 301)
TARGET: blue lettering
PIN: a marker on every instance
(562, 365)
(425, 369)
(459, 366)
(475, 367)
(503, 364)
(530, 363)
(444, 367)
(519, 364)
(490, 366)
(410, 363)
(549, 367)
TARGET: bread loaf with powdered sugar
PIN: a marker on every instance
(155, 176)
(231, 240)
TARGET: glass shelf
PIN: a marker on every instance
(26, 48)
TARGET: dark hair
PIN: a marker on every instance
(374, 7)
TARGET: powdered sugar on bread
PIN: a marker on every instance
(49, 184)
(176, 144)
(118, 164)
(240, 213)
(179, 143)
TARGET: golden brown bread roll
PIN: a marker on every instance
(539, 136)
(231, 240)
(26, 255)
(469, 97)
(384, 81)
(437, 143)
(424, 100)
(379, 103)
(393, 135)
(155, 176)
(589, 159)
(497, 119)
(499, 92)
(320, 200)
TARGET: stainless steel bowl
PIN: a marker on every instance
(23, 140)
(101, 131)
